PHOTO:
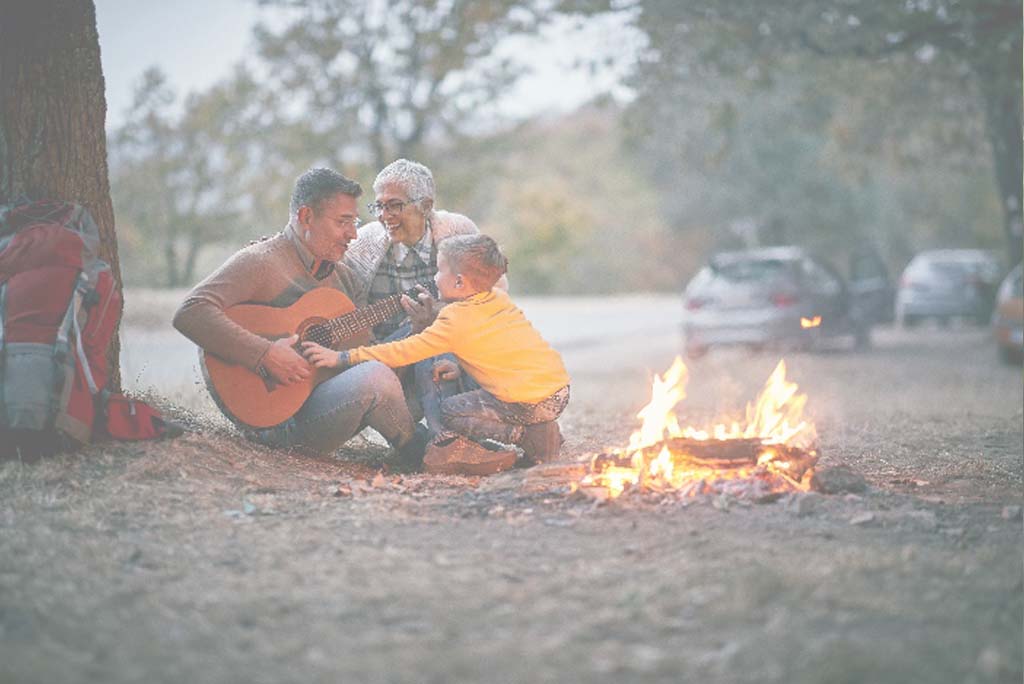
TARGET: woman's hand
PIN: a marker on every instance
(421, 311)
(322, 357)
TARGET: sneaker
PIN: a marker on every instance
(541, 442)
(461, 456)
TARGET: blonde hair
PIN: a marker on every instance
(476, 258)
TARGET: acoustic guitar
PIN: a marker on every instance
(325, 316)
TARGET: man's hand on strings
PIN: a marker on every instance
(283, 364)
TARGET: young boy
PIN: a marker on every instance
(523, 384)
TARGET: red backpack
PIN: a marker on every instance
(59, 308)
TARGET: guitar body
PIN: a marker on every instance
(247, 398)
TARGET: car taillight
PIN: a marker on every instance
(908, 284)
(781, 299)
(695, 303)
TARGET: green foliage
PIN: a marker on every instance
(381, 80)
(831, 124)
(181, 182)
(569, 205)
(860, 116)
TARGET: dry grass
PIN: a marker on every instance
(209, 559)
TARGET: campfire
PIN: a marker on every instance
(768, 454)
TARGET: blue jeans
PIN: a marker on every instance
(431, 394)
(366, 395)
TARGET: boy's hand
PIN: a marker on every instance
(322, 357)
(445, 370)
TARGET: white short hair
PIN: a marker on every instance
(415, 178)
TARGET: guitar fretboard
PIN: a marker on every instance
(330, 333)
(356, 321)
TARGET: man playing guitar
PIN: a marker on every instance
(277, 272)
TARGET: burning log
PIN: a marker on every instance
(719, 455)
(771, 453)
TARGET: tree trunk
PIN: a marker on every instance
(1001, 95)
(171, 262)
(52, 110)
(195, 243)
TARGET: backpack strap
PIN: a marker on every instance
(3, 352)
(3, 314)
(62, 347)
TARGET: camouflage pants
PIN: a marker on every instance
(478, 414)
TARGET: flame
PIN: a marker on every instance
(775, 419)
(810, 322)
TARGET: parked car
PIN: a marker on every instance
(947, 283)
(778, 296)
(1008, 317)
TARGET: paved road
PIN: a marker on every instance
(628, 338)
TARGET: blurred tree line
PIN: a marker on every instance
(832, 124)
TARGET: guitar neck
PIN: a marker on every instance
(355, 322)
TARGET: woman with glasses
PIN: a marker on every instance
(397, 252)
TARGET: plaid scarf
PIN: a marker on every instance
(401, 269)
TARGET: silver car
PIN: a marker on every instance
(948, 283)
(778, 296)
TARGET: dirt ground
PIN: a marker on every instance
(208, 559)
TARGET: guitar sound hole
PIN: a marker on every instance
(315, 330)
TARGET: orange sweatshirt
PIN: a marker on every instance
(492, 340)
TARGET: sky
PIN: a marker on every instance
(196, 42)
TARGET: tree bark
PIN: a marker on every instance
(52, 111)
(1003, 122)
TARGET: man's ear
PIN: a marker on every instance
(304, 214)
(426, 204)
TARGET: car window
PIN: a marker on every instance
(954, 269)
(962, 269)
(753, 270)
(703, 277)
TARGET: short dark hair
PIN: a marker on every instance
(318, 184)
(476, 257)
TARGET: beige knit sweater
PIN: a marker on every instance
(275, 271)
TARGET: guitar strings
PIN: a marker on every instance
(325, 334)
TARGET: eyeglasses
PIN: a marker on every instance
(392, 207)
